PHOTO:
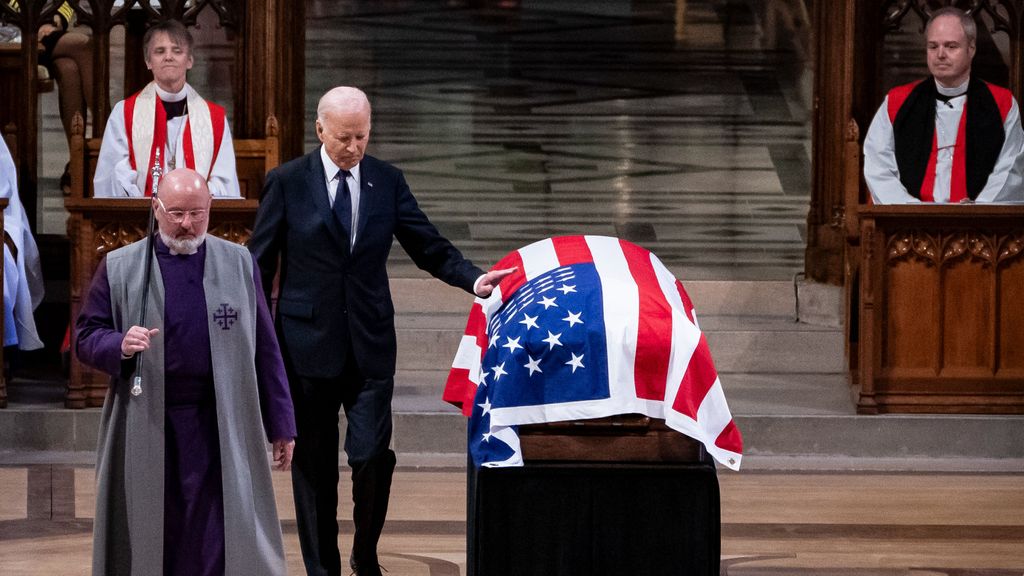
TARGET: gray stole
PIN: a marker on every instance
(132, 427)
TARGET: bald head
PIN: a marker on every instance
(182, 210)
(182, 181)
(950, 39)
(343, 125)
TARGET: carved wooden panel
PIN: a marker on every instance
(942, 309)
(1010, 300)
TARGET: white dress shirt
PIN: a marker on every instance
(331, 173)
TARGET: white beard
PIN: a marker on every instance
(183, 245)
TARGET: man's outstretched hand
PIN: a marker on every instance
(491, 280)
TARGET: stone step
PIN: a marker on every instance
(429, 340)
(817, 441)
(760, 394)
(710, 297)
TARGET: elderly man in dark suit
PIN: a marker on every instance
(329, 218)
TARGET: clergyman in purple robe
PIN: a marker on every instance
(189, 451)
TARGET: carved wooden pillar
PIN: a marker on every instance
(101, 16)
(1007, 16)
(271, 79)
(136, 75)
(834, 31)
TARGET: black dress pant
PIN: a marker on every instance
(367, 405)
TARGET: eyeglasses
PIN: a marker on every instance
(178, 216)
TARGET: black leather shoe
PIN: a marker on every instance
(365, 569)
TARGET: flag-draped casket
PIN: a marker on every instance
(587, 327)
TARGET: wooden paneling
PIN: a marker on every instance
(911, 305)
(941, 312)
(1010, 328)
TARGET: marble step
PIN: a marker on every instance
(419, 391)
(812, 441)
(428, 341)
(421, 294)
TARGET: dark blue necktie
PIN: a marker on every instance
(343, 204)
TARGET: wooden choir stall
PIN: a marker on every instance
(934, 297)
(266, 40)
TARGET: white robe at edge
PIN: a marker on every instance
(23, 277)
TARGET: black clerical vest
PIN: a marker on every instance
(911, 109)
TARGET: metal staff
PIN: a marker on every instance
(156, 172)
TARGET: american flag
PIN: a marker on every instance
(588, 327)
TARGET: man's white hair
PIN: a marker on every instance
(345, 99)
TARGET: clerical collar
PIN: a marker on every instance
(175, 103)
(945, 94)
(171, 96)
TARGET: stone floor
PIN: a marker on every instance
(773, 524)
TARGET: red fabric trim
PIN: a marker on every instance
(513, 281)
(698, 379)
(730, 439)
(129, 117)
(897, 96)
(186, 147)
(1003, 98)
(159, 143)
(572, 250)
(65, 345)
(459, 390)
(477, 324)
(654, 326)
(217, 118)
(687, 303)
(958, 176)
(928, 184)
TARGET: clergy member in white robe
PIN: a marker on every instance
(951, 137)
(166, 124)
(23, 277)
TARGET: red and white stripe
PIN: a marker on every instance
(659, 363)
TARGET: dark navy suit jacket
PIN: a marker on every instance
(332, 299)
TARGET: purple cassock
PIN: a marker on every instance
(193, 496)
